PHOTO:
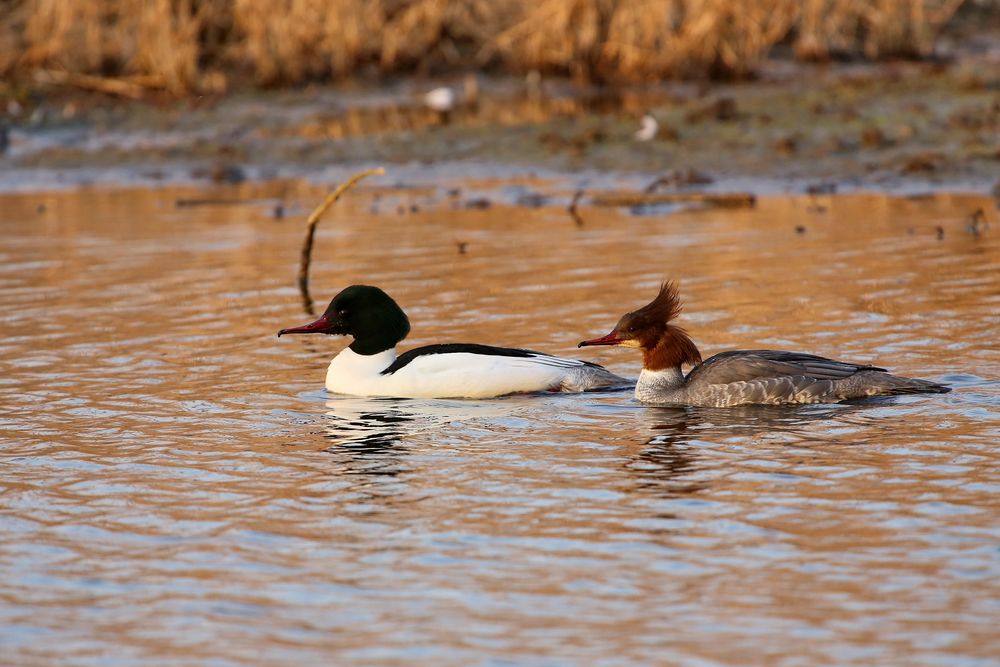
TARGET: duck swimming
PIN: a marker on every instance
(369, 365)
(741, 377)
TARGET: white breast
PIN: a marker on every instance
(449, 375)
(659, 386)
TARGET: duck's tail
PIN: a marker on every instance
(901, 385)
(592, 377)
(875, 383)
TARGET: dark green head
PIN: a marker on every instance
(376, 322)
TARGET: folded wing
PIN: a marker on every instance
(751, 365)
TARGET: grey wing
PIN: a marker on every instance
(561, 362)
(550, 360)
(756, 365)
(578, 375)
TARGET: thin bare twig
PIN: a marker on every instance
(311, 223)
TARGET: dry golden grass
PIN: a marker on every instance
(875, 28)
(186, 45)
(693, 37)
(146, 37)
(296, 40)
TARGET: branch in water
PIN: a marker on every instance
(723, 199)
(311, 223)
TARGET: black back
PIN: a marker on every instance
(475, 348)
(446, 348)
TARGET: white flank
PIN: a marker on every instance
(448, 375)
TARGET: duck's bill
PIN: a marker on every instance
(322, 325)
(611, 339)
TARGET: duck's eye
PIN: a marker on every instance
(632, 328)
(342, 312)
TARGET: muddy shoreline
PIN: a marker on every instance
(897, 127)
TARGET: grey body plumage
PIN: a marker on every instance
(773, 377)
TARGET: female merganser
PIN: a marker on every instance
(740, 377)
(369, 365)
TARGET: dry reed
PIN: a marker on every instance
(186, 45)
(875, 28)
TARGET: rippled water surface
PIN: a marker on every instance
(178, 489)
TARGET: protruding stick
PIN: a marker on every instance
(311, 223)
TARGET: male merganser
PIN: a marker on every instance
(740, 377)
(369, 365)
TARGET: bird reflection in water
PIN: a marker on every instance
(368, 434)
(371, 433)
(661, 464)
(684, 436)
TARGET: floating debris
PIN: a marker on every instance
(184, 202)
(532, 200)
(679, 178)
(629, 199)
(821, 188)
(227, 173)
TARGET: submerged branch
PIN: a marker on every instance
(311, 223)
(728, 200)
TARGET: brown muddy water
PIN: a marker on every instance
(178, 488)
